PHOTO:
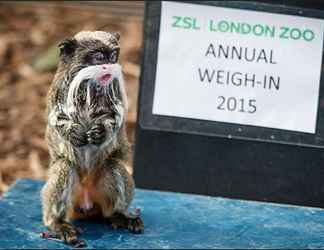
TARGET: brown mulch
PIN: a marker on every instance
(27, 33)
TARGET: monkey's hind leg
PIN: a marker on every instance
(55, 201)
(124, 187)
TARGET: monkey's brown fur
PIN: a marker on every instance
(107, 184)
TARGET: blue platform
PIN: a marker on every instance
(172, 220)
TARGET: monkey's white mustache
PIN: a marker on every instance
(103, 75)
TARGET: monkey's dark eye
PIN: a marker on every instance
(98, 56)
(113, 56)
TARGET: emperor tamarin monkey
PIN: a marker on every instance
(86, 108)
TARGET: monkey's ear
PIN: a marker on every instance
(116, 35)
(67, 48)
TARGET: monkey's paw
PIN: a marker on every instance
(77, 135)
(133, 223)
(96, 134)
(66, 233)
(136, 225)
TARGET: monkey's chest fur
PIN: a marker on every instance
(92, 106)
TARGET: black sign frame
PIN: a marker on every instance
(170, 158)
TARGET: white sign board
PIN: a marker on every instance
(238, 66)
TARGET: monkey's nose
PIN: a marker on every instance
(105, 66)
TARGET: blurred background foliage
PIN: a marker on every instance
(29, 34)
